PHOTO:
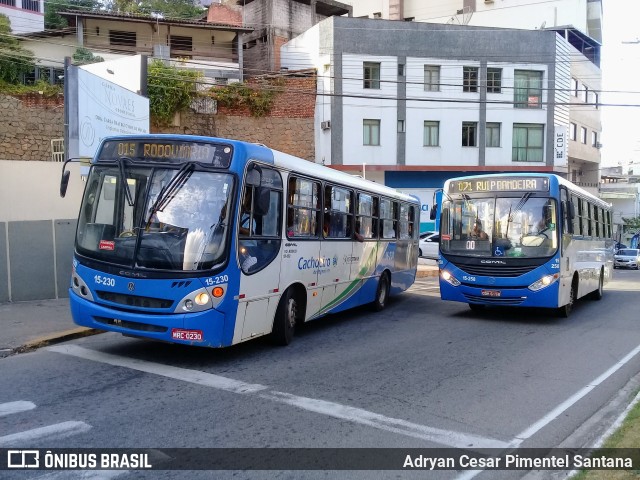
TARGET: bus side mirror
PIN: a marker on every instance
(254, 176)
(64, 183)
(433, 211)
(261, 201)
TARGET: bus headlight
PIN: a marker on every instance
(450, 279)
(202, 298)
(543, 282)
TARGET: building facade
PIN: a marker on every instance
(275, 22)
(578, 21)
(412, 104)
(26, 16)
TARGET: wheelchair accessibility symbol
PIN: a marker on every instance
(499, 252)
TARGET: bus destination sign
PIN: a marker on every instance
(500, 184)
(167, 151)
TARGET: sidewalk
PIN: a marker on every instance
(28, 325)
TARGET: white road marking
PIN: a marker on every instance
(336, 410)
(364, 417)
(191, 376)
(58, 430)
(553, 414)
(15, 407)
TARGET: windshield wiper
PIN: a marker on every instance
(123, 174)
(170, 190)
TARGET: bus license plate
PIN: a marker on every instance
(491, 293)
(188, 335)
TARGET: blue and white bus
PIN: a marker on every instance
(213, 242)
(530, 240)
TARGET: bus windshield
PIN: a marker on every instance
(170, 220)
(515, 226)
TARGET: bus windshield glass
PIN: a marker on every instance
(514, 226)
(178, 219)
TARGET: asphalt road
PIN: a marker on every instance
(424, 373)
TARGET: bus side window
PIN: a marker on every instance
(303, 209)
(338, 212)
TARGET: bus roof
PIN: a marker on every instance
(305, 167)
(561, 181)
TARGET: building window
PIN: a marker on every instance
(595, 98)
(594, 139)
(431, 78)
(528, 89)
(371, 73)
(401, 127)
(528, 142)
(574, 87)
(31, 5)
(573, 128)
(583, 135)
(493, 135)
(469, 134)
(494, 80)
(584, 94)
(180, 43)
(371, 132)
(401, 69)
(431, 134)
(470, 79)
(11, 3)
(118, 37)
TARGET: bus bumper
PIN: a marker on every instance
(485, 293)
(203, 329)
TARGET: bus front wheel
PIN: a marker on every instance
(565, 310)
(284, 323)
(382, 293)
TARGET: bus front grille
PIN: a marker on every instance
(134, 300)
(142, 327)
(494, 300)
(497, 270)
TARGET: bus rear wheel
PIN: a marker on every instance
(597, 294)
(382, 293)
(284, 323)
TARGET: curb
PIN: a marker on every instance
(430, 272)
(53, 338)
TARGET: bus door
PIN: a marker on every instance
(259, 245)
(336, 251)
(301, 253)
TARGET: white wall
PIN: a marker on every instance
(24, 21)
(31, 191)
(355, 110)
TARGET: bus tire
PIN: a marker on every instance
(476, 307)
(382, 293)
(284, 323)
(597, 294)
(565, 310)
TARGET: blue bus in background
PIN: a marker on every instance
(212, 242)
(530, 240)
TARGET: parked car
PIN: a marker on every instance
(429, 246)
(627, 258)
(424, 235)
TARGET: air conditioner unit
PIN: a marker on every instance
(325, 125)
(488, 1)
(598, 145)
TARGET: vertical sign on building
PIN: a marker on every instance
(560, 146)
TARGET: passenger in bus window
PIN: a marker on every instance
(357, 235)
(477, 231)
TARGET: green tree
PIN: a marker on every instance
(83, 56)
(631, 225)
(184, 9)
(54, 21)
(14, 60)
(170, 90)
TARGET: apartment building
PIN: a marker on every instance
(411, 104)
(579, 21)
